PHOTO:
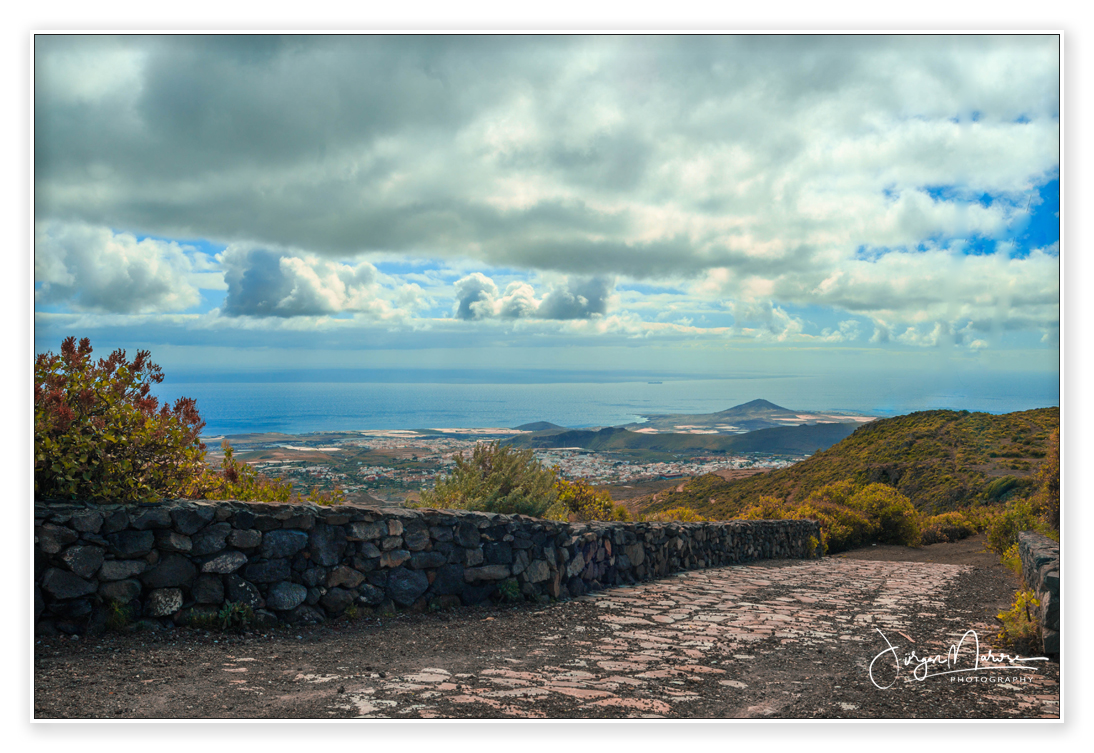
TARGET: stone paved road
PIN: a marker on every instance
(784, 639)
(777, 639)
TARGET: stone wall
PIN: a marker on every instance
(1041, 571)
(180, 562)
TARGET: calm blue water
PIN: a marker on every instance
(301, 407)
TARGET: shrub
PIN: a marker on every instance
(497, 478)
(677, 514)
(766, 508)
(579, 501)
(1019, 515)
(842, 527)
(1047, 497)
(947, 527)
(1021, 629)
(99, 434)
(896, 518)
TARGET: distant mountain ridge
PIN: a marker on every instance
(751, 416)
(780, 440)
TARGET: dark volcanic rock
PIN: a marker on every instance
(405, 586)
(84, 561)
(285, 596)
(327, 544)
(65, 585)
(172, 571)
(278, 544)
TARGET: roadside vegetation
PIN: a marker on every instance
(100, 435)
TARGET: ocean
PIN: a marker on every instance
(303, 407)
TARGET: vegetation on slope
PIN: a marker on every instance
(783, 440)
(940, 460)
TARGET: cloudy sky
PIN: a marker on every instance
(683, 206)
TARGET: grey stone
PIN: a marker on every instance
(157, 517)
(87, 522)
(498, 554)
(314, 595)
(225, 563)
(394, 558)
(121, 591)
(243, 592)
(64, 585)
(278, 544)
(327, 544)
(394, 527)
(170, 541)
(243, 519)
(345, 576)
(265, 619)
(304, 615)
(208, 589)
(245, 539)
(336, 600)
(369, 550)
(391, 542)
(284, 596)
(267, 572)
(416, 539)
(163, 602)
(441, 533)
(211, 539)
(486, 572)
(472, 557)
(366, 531)
(426, 560)
(448, 580)
(520, 561)
(190, 520)
(537, 572)
(114, 522)
(301, 521)
(467, 534)
(405, 586)
(172, 571)
(84, 561)
(121, 569)
(370, 595)
(313, 576)
(39, 603)
(52, 539)
(266, 523)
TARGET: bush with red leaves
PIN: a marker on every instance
(100, 435)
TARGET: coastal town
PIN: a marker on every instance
(396, 465)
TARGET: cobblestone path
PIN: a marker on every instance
(786, 639)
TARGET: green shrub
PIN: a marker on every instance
(677, 514)
(100, 435)
(579, 501)
(497, 478)
(1018, 515)
(1021, 628)
(842, 527)
(235, 615)
(947, 527)
(896, 518)
(766, 508)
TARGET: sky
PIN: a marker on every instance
(679, 206)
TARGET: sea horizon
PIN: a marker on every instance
(298, 407)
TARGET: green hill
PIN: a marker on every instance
(941, 460)
(783, 440)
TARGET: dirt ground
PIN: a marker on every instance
(778, 639)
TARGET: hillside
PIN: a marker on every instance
(783, 440)
(941, 460)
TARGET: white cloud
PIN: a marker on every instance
(95, 269)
